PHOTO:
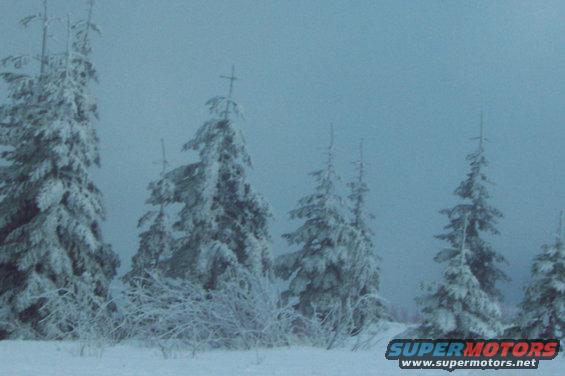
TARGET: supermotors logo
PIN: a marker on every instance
(451, 354)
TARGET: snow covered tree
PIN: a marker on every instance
(458, 307)
(224, 222)
(50, 210)
(319, 269)
(482, 219)
(156, 242)
(364, 273)
(543, 309)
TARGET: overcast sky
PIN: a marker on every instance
(409, 77)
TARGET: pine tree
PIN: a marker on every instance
(224, 222)
(482, 219)
(319, 269)
(458, 307)
(156, 242)
(50, 238)
(543, 309)
(364, 272)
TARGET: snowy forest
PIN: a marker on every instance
(216, 267)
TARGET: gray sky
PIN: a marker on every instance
(409, 77)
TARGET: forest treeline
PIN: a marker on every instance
(204, 274)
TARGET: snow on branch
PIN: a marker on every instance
(242, 314)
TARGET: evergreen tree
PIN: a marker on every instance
(458, 307)
(482, 219)
(365, 272)
(224, 222)
(319, 269)
(543, 309)
(156, 242)
(50, 238)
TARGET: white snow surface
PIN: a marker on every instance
(36, 358)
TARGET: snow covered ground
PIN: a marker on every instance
(32, 358)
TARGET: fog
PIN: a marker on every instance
(409, 77)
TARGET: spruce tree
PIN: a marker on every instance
(223, 221)
(50, 237)
(318, 270)
(543, 309)
(458, 307)
(156, 242)
(364, 271)
(482, 219)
